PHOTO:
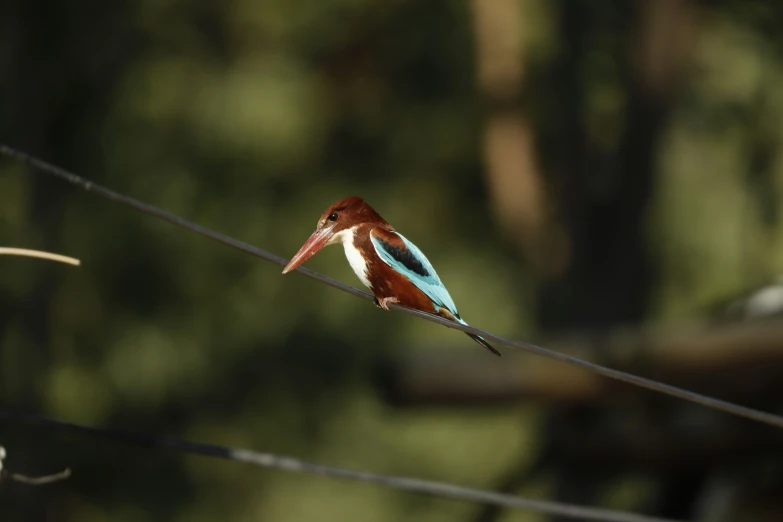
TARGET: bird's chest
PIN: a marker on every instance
(358, 262)
(381, 279)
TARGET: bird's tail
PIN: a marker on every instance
(454, 317)
(484, 343)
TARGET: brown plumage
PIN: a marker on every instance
(356, 225)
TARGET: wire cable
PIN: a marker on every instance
(709, 402)
(268, 460)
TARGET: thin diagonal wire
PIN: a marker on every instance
(267, 460)
(709, 402)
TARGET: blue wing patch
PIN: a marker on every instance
(412, 263)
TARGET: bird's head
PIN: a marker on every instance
(341, 216)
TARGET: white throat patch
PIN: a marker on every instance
(355, 258)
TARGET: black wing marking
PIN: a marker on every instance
(405, 257)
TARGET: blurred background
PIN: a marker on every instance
(604, 178)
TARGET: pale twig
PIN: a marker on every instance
(4, 473)
(710, 402)
(42, 480)
(30, 481)
(267, 460)
(39, 254)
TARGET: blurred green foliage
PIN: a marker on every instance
(250, 118)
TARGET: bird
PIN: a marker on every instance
(386, 262)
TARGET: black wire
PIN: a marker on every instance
(710, 402)
(267, 460)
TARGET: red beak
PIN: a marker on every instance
(311, 247)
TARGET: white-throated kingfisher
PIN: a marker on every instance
(392, 267)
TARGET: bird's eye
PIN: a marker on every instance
(332, 216)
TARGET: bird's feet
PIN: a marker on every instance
(384, 302)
